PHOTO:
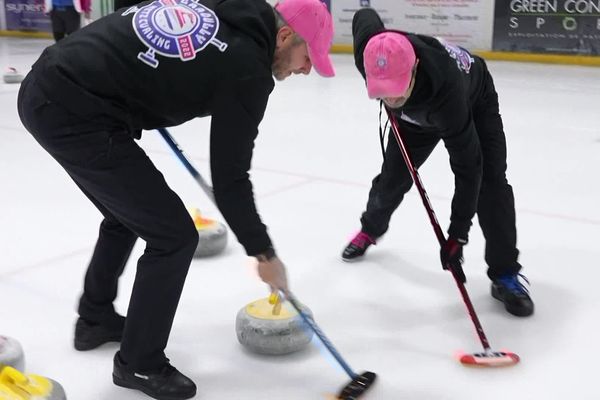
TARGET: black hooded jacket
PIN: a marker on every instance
(124, 71)
(448, 81)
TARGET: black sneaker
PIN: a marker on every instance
(515, 296)
(164, 384)
(89, 335)
(357, 247)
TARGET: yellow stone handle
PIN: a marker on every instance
(11, 375)
(199, 221)
(21, 386)
(273, 298)
(275, 301)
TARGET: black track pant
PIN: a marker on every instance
(121, 181)
(65, 20)
(496, 208)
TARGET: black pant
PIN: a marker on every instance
(496, 208)
(121, 181)
(65, 20)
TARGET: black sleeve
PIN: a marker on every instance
(462, 143)
(237, 112)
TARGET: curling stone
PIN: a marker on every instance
(11, 353)
(15, 385)
(261, 331)
(212, 235)
(11, 75)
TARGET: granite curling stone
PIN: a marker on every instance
(212, 235)
(261, 331)
(11, 75)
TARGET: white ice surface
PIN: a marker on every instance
(395, 313)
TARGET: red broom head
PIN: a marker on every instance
(489, 359)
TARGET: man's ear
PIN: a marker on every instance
(284, 35)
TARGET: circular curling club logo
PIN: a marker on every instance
(175, 28)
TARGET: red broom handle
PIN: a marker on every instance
(436, 226)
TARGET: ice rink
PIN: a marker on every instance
(396, 313)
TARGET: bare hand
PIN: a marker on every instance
(272, 272)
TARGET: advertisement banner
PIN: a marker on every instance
(549, 26)
(26, 15)
(467, 23)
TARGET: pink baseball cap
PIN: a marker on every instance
(311, 20)
(389, 58)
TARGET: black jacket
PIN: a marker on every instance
(123, 70)
(448, 82)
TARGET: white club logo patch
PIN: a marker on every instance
(175, 28)
(462, 57)
(381, 62)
